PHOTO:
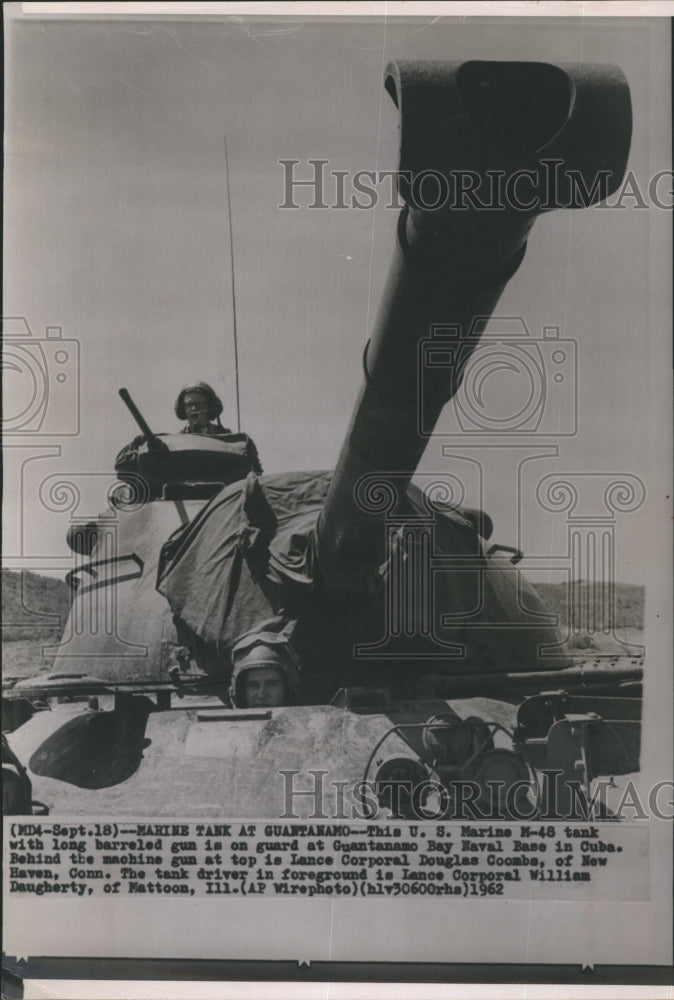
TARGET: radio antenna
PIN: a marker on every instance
(231, 257)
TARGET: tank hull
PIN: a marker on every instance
(198, 759)
(201, 760)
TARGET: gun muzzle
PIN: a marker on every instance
(560, 136)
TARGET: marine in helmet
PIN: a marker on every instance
(200, 406)
(265, 672)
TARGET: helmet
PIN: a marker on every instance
(214, 403)
(264, 650)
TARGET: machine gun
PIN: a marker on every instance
(154, 442)
(182, 466)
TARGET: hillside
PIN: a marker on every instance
(33, 606)
(36, 607)
(628, 611)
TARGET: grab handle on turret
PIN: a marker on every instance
(154, 443)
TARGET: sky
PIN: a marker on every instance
(117, 231)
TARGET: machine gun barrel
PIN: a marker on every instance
(154, 443)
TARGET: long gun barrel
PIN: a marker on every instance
(575, 679)
(459, 124)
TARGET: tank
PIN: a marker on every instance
(415, 654)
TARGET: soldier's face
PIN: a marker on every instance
(196, 409)
(263, 687)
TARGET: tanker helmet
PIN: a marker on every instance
(263, 655)
(214, 402)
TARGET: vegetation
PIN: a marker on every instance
(577, 604)
(33, 606)
(36, 607)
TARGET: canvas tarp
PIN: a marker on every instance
(249, 562)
